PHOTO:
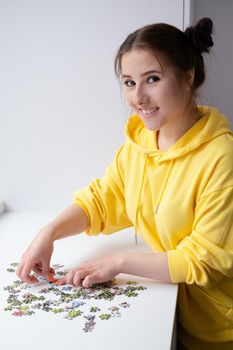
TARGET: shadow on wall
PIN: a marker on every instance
(217, 89)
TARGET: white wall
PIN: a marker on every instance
(61, 113)
(218, 88)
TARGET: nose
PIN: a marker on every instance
(140, 97)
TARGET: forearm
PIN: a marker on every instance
(150, 265)
(72, 220)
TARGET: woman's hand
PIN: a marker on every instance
(37, 258)
(149, 265)
(94, 271)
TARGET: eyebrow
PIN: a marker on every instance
(143, 74)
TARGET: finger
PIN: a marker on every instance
(92, 279)
(79, 276)
(19, 270)
(26, 274)
(37, 269)
(68, 278)
(46, 271)
(51, 277)
(52, 271)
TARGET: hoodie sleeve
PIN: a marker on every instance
(206, 255)
(104, 201)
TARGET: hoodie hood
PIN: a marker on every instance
(212, 124)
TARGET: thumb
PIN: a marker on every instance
(46, 271)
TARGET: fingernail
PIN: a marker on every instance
(51, 279)
(58, 283)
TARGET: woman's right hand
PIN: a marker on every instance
(37, 258)
(72, 220)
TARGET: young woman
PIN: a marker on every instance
(172, 180)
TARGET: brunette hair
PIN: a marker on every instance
(182, 50)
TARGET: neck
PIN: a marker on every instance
(169, 134)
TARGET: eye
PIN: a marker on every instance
(153, 79)
(129, 83)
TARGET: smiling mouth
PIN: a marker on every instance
(149, 111)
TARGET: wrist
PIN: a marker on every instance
(49, 232)
(120, 263)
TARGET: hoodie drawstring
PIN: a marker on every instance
(163, 187)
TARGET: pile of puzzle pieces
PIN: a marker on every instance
(68, 300)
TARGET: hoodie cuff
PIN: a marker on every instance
(178, 266)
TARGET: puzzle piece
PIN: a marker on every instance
(68, 300)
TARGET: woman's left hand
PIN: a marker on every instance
(94, 271)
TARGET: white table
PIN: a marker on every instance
(149, 323)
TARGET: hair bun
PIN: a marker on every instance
(200, 35)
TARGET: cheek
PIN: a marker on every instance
(128, 98)
(171, 96)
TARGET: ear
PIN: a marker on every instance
(190, 78)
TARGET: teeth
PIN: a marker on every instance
(149, 111)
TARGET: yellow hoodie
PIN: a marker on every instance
(181, 201)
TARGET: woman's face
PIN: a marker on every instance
(154, 95)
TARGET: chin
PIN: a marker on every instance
(152, 127)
